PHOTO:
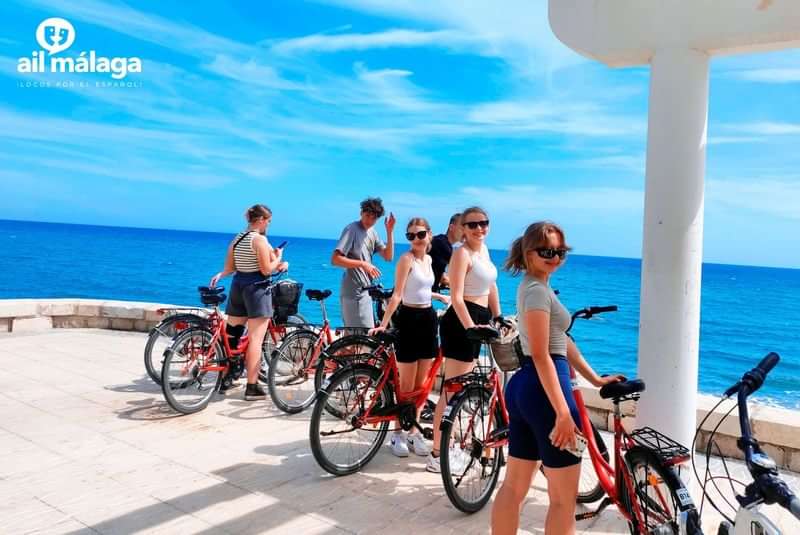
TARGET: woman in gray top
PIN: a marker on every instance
(542, 413)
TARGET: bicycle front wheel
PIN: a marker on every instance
(291, 372)
(469, 469)
(340, 444)
(186, 378)
(659, 493)
(160, 339)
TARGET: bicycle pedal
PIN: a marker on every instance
(592, 514)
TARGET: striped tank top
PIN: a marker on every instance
(244, 257)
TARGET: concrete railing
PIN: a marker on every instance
(778, 430)
(32, 315)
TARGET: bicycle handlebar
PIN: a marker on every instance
(600, 310)
(588, 312)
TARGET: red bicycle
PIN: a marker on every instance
(308, 355)
(356, 404)
(643, 482)
(201, 356)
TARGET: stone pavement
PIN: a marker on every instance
(87, 445)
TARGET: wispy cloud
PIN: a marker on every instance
(765, 128)
(769, 76)
(778, 197)
(394, 38)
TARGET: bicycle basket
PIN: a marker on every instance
(507, 350)
(285, 299)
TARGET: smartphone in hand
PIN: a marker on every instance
(283, 244)
(580, 445)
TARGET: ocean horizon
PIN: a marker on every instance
(746, 311)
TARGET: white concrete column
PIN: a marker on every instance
(669, 330)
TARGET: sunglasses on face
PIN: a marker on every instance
(410, 236)
(472, 225)
(550, 252)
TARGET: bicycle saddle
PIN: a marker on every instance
(318, 295)
(389, 336)
(210, 289)
(482, 334)
(379, 292)
(212, 299)
(622, 389)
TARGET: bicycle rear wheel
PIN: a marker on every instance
(469, 470)
(160, 339)
(186, 381)
(659, 493)
(339, 446)
(291, 372)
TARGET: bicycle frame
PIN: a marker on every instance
(390, 373)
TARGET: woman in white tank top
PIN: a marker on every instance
(416, 322)
(475, 301)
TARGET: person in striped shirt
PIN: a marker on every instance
(253, 260)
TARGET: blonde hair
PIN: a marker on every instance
(535, 236)
(421, 222)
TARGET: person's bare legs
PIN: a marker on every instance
(407, 372)
(452, 368)
(256, 330)
(562, 490)
(510, 498)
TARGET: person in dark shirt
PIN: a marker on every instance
(442, 250)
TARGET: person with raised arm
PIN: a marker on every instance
(354, 250)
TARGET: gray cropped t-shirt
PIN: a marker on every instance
(535, 295)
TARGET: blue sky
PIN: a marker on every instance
(433, 105)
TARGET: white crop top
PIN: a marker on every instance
(417, 290)
(481, 276)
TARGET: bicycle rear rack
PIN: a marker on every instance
(667, 449)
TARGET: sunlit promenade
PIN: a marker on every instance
(89, 446)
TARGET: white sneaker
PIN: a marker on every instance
(458, 463)
(416, 443)
(433, 464)
(399, 444)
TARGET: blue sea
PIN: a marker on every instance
(746, 311)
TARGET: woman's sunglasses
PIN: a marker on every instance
(549, 252)
(475, 224)
(410, 236)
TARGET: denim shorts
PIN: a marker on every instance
(532, 418)
(250, 296)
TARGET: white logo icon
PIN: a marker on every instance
(55, 34)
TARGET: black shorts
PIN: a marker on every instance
(250, 296)
(417, 334)
(454, 336)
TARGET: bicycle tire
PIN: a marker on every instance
(164, 329)
(290, 387)
(347, 350)
(343, 392)
(589, 488)
(269, 346)
(459, 461)
(191, 348)
(645, 467)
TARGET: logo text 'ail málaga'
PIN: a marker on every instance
(55, 35)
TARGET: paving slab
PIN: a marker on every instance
(88, 445)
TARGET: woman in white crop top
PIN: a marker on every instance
(416, 322)
(475, 301)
